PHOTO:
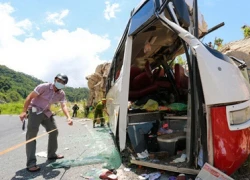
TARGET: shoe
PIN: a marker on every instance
(145, 155)
(180, 159)
(112, 177)
(33, 169)
(141, 156)
(181, 177)
(144, 176)
(56, 157)
(155, 175)
(108, 175)
(105, 174)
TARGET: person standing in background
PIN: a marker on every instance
(75, 108)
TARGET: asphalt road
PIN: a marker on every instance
(74, 141)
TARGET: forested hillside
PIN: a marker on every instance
(15, 86)
(76, 94)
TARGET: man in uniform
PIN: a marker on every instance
(75, 108)
(100, 107)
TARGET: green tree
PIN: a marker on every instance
(246, 31)
(5, 84)
(14, 96)
(15, 86)
(179, 60)
(218, 42)
(4, 98)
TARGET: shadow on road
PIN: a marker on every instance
(45, 173)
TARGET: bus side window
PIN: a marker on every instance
(110, 77)
(118, 70)
(118, 63)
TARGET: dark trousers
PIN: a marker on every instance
(98, 114)
(74, 114)
(34, 122)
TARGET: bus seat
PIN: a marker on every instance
(181, 79)
(153, 73)
(160, 79)
(163, 84)
(134, 71)
(141, 81)
(133, 95)
(146, 82)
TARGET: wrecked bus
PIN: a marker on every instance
(201, 109)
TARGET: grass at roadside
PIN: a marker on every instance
(56, 108)
(16, 108)
(11, 108)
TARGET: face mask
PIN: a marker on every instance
(59, 85)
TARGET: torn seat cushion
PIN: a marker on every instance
(180, 77)
(163, 84)
(134, 94)
(134, 71)
(141, 81)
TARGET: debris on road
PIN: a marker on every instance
(102, 151)
(151, 176)
(209, 172)
(127, 169)
(42, 154)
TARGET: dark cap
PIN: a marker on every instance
(63, 77)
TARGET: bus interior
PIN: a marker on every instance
(158, 93)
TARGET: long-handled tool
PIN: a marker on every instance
(23, 143)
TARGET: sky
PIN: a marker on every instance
(44, 38)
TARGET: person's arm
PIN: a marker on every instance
(26, 104)
(105, 110)
(66, 113)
